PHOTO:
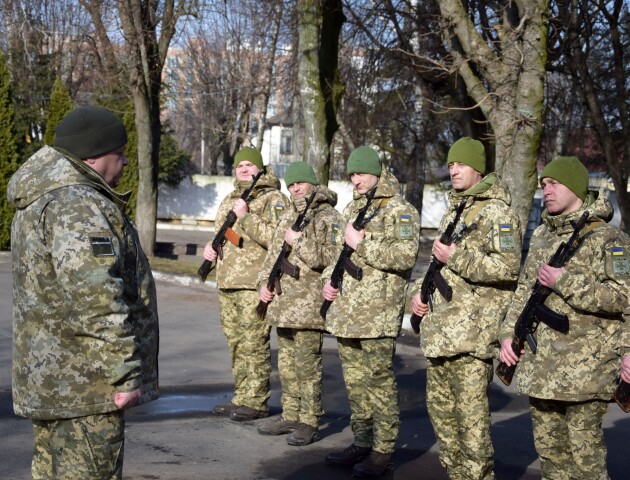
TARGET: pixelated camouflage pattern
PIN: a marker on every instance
(248, 338)
(240, 266)
(368, 372)
(300, 369)
(90, 447)
(482, 272)
(457, 403)
(301, 299)
(85, 325)
(373, 307)
(569, 439)
(582, 364)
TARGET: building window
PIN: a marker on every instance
(286, 142)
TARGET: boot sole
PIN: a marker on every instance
(295, 443)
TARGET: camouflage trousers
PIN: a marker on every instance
(248, 339)
(457, 402)
(300, 369)
(368, 372)
(87, 448)
(569, 439)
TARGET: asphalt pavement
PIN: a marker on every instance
(176, 437)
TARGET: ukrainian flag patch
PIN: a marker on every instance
(506, 237)
(405, 228)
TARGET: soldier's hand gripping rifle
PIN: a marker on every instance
(622, 396)
(433, 278)
(282, 264)
(535, 310)
(226, 233)
(343, 262)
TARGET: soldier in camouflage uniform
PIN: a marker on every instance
(459, 338)
(295, 312)
(84, 307)
(572, 376)
(237, 273)
(366, 315)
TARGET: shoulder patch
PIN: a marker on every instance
(506, 237)
(334, 232)
(102, 246)
(405, 228)
(620, 263)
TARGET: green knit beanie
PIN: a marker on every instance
(469, 152)
(300, 172)
(364, 160)
(249, 154)
(570, 172)
(90, 131)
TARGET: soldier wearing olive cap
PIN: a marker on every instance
(459, 338)
(237, 272)
(366, 314)
(295, 312)
(85, 336)
(572, 376)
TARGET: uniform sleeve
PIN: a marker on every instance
(605, 286)
(260, 225)
(317, 248)
(396, 249)
(623, 344)
(491, 254)
(86, 256)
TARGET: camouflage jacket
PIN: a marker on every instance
(482, 272)
(301, 299)
(373, 307)
(84, 303)
(240, 266)
(593, 292)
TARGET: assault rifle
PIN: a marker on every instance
(622, 396)
(433, 278)
(536, 311)
(226, 233)
(282, 264)
(343, 262)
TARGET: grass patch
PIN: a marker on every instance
(177, 267)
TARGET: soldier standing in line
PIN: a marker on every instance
(295, 312)
(459, 338)
(366, 315)
(237, 272)
(85, 325)
(571, 378)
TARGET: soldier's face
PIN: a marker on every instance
(363, 182)
(300, 189)
(110, 165)
(558, 198)
(246, 170)
(463, 176)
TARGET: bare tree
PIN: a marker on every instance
(148, 26)
(499, 50)
(319, 26)
(596, 43)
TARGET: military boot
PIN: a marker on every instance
(224, 410)
(303, 435)
(277, 426)
(375, 465)
(348, 456)
(243, 413)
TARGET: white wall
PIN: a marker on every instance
(198, 197)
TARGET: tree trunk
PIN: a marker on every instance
(318, 42)
(507, 85)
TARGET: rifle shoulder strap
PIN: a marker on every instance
(586, 232)
(476, 208)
